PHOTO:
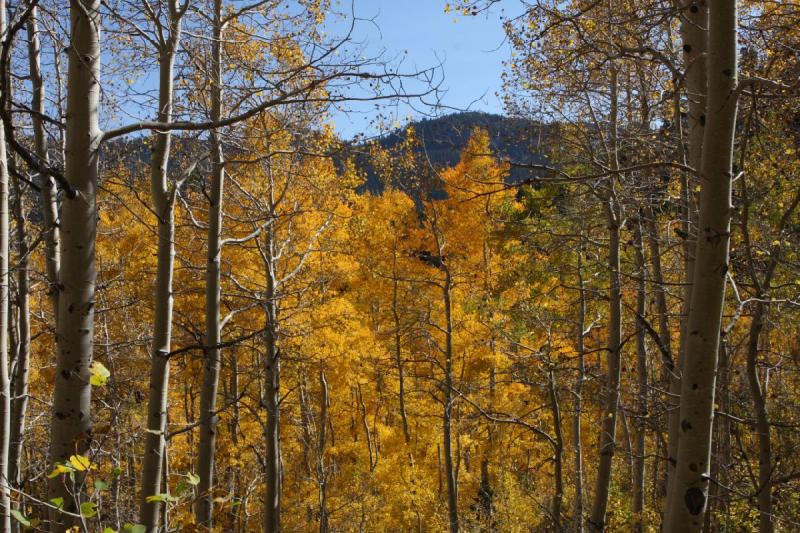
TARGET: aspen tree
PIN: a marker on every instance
(71, 416)
(163, 205)
(688, 493)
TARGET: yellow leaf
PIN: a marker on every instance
(60, 469)
(99, 374)
(81, 463)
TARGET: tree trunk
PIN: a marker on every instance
(398, 355)
(758, 394)
(19, 406)
(47, 184)
(272, 391)
(613, 367)
(558, 453)
(693, 34)
(322, 475)
(688, 494)
(5, 382)
(449, 470)
(163, 205)
(642, 388)
(71, 423)
(211, 365)
(577, 442)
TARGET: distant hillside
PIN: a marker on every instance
(443, 140)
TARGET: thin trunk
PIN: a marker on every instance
(5, 382)
(322, 475)
(558, 453)
(211, 364)
(688, 494)
(398, 355)
(163, 201)
(642, 389)
(272, 391)
(70, 431)
(577, 442)
(613, 367)
(449, 470)
(758, 393)
(22, 364)
(47, 184)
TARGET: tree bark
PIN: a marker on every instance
(450, 474)
(47, 184)
(163, 200)
(758, 394)
(5, 382)
(642, 382)
(688, 494)
(272, 368)
(577, 441)
(558, 453)
(693, 34)
(613, 367)
(322, 475)
(212, 353)
(19, 406)
(70, 431)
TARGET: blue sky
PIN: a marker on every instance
(471, 48)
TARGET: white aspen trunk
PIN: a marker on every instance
(272, 366)
(322, 475)
(163, 201)
(211, 365)
(71, 423)
(272, 377)
(688, 493)
(5, 382)
(19, 387)
(613, 368)
(694, 37)
(47, 183)
(762, 426)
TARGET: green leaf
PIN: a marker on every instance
(116, 471)
(131, 528)
(88, 509)
(180, 489)
(100, 485)
(99, 374)
(192, 478)
(20, 518)
(109, 530)
(58, 502)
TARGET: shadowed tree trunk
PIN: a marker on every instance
(577, 441)
(642, 382)
(688, 493)
(211, 363)
(608, 426)
(693, 32)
